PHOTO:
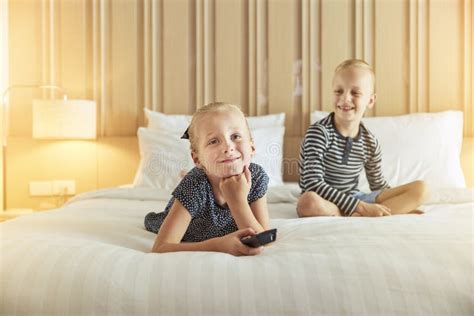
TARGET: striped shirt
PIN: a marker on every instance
(330, 164)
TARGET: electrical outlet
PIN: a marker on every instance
(64, 187)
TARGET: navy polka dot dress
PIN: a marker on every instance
(208, 219)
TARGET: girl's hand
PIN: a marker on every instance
(371, 210)
(236, 188)
(231, 243)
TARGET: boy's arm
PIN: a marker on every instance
(312, 171)
(373, 169)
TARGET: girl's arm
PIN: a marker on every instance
(244, 216)
(175, 225)
(235, 190)
(260, 211)
(173, 228)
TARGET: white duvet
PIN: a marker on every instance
(91, 257)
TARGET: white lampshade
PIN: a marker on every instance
(64, 119)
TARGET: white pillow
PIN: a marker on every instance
(269, 152)
(267, 132)
(270, 120)
(165, 158)
(421, 146)
(164, 122)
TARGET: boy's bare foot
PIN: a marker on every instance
(417, 212)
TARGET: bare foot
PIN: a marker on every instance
(417, 212)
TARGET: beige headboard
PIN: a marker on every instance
(110, 162)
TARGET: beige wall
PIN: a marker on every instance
(3, 73)
(267, 55)
(106, 162)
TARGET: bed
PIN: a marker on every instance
(91, 257)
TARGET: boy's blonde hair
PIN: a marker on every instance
(208, 109)
(356, 63)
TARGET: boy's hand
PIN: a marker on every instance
(371, 210)
(236, 188)
(231, 243)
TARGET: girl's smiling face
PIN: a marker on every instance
(224, 144)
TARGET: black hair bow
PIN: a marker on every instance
(185, 134)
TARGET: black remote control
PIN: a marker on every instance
(261, 239)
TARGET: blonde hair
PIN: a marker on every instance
(356, 63)
(208, 109)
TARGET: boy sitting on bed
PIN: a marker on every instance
(337, 148)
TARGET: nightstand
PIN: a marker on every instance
(12, 213)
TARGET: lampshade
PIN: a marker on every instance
(64, 119)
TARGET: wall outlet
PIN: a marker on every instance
(51, 188)
(64, 187)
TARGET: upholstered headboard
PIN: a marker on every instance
(113, 161)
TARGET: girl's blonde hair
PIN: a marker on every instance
(208, 109)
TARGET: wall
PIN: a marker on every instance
(106, 162)
(267, 55)
(3, 81)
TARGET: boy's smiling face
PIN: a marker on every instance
(352, 93)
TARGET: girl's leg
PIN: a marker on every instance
(405, 198)
(311, 204)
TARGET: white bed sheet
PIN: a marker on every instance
(91, 257)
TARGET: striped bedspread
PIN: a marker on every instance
(91, 257)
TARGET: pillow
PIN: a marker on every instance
(163, 122)
(267, 132)
(269, 152)
(263, 121)
(165, 159)
(421, 146)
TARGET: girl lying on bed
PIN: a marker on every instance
(222, 199)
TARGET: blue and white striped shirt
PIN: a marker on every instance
(330, 164)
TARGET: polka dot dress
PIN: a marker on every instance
(208, 219)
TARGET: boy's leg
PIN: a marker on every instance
(311, 204)
(405, 198)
